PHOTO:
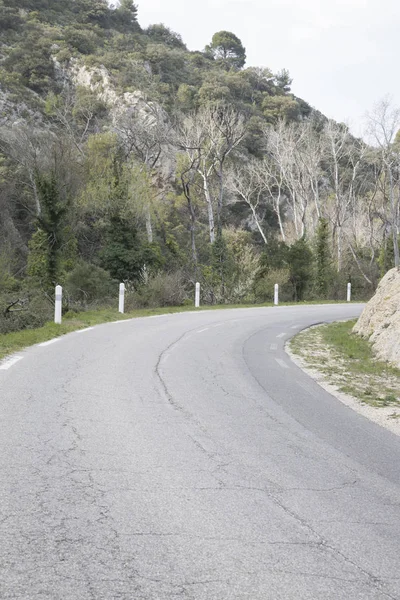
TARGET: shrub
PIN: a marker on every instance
(88, 283)
(32, 309)
(264, 285)
(162, 289)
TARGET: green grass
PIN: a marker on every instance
(348, 361)
(356, 350)
(14, 342)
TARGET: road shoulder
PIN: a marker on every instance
(316, 363)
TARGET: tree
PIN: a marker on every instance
(163, 35)
(322, 258)
(384, 123)
(123, 255)
(49, 240)
(145, 134)
(246, 181)
(343, 157)
(208, 137)
(227, 48)
(300, 261)
(124, 18)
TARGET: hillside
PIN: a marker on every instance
(127, 157)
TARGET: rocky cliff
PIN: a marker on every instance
(380, 320)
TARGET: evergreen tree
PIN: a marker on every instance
(219, 262)
(124, 255)
(322, 259)
(45, 260)
(300, 260)
(227, 48)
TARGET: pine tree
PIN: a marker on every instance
(47, 242)
(323, 259)
(300, 261)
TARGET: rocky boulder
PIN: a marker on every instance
(380, 320)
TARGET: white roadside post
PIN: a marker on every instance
(349, 292)
(197, 296)
(276, 295)
(121, 298)
(58, 305)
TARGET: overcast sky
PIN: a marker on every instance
(343, 55)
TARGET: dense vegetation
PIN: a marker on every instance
(126, 157)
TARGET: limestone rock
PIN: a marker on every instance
(380, 320)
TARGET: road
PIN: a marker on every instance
(186, 457)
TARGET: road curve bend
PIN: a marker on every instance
(186, 457)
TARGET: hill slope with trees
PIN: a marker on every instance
(126, 157)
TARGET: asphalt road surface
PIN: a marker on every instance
(186, 457)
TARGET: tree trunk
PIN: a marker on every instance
(220, 198)
(149, 227)
(193, 233)
(339, 247)
(394, 221)
(210, 210)
(253, 210)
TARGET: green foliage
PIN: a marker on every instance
(323, 259)
(81, 39)
(86, 219)
(265, 284)
(161, 289)
(124, 255)
(274, 269)
(386, 256)
(228, 49)
(221, 265)
(160, 34)
(300, 262)
(280, 107)
(32, 61)
(124, 18)
(88, 283)
(10, 18)
(38, 259)
(242, 266)
(53, 241)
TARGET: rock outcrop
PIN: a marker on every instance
(380, 320)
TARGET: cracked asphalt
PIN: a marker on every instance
(186, 457)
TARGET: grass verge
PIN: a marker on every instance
(14, 342)
(348, 362)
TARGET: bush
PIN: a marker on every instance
(32, 309)
(264, 285)
(163, 289)
(88, 283)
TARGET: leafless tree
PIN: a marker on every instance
(208, 137)
(383, 126)
(343, 158)
(33, 150)
(146, 136)
(247, 182)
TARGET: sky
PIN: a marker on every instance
(343, 55)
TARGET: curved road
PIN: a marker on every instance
(186, 457)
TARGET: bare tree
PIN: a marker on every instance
(283, 148)
(247, 182)
(187, 176)
(383, 126)
(75, 109)
(145, 133)
(208, 137)
(343, 158)
(33, 150)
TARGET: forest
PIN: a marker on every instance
(126, 157)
